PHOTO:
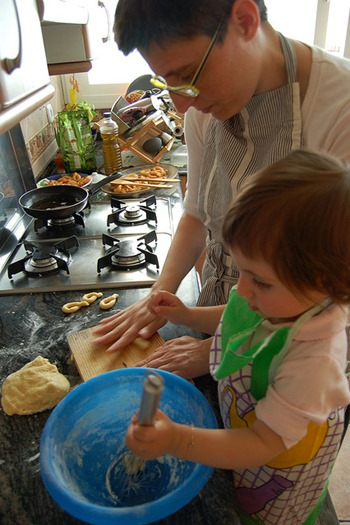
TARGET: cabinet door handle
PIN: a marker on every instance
(101, 4)
(12, 63)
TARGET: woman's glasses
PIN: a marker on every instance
(190, 90)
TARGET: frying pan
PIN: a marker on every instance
(59, 202)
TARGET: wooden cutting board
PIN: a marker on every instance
(92, 361)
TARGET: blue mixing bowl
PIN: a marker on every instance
(82, 451)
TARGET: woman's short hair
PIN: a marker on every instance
(295, 215)
(140, 23)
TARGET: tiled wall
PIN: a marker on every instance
(15, 169)
(38, 132)
(40, 142)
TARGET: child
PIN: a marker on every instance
(280, 349)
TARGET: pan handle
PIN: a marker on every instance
(95, 187)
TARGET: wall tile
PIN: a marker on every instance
(40, 142)
(38, 132)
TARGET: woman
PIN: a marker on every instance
(260, 97)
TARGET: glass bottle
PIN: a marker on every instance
(110, 146)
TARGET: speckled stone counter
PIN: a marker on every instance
(32, 325)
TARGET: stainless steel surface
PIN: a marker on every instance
(83, 274)
(152, 389)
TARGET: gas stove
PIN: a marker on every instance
(111, 243)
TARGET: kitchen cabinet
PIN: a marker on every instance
(24, 78)
(83, 41)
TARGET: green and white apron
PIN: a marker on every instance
(289, 490)
(265, 131)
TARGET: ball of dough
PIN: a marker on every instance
(35, 387)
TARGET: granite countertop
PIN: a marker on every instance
(32, 325)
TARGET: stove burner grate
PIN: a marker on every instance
(131, 214)
(128, 254)
(44, 258)
(77, 219)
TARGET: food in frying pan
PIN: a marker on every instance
(70, 180)
(141, 179)
(156, 172)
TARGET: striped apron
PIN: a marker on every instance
(265, 131)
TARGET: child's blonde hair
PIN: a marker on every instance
(295, 215)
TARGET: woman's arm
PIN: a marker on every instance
(122, 328)
(187, 246)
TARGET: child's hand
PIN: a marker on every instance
(166, 304)
(150, 442)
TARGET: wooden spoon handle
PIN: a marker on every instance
(150, 179)
(138, 183)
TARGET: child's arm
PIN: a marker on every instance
(224, 448)
(202, 319)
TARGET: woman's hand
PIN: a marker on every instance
(185, 356)
(122, 328)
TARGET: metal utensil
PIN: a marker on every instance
(152, 389)
(127, 472)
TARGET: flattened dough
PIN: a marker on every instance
(35, 387)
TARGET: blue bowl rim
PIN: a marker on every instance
(142, 514)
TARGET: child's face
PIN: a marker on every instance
(266, 294)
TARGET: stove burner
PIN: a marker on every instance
(128, 253)
(40, 266)
(131, 214)
(44, 258)
(60, 224)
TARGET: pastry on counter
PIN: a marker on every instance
(35, 387)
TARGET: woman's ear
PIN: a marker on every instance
(245, 15)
